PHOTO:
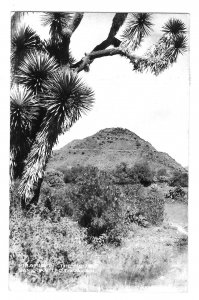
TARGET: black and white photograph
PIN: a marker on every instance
(99, 160)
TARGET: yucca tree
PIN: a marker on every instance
(47, 94)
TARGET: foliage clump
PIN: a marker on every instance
(46, 252)
(106, 208)
(179, 179)
(97, 205)
(178, 194)
(139, 173)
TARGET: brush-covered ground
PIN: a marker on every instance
(152, 258)
(95, 231)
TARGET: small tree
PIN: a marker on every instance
(47, 95)
(143, 173)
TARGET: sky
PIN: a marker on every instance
(156, 108)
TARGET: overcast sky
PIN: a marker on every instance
(155, 108)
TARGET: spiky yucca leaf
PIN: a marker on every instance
(67, 99)
(16, 19)
(35, 165)
(35, 70)
(59, 51)
(23, 41)
(163, 54)
(57, 22)
(174, 27)
(138, 26)
(178, 46)
(23, 113)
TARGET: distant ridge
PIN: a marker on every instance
(110, 147)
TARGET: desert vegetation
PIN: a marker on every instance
(82, 213)
(62, 219)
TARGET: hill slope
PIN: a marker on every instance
(110, 147)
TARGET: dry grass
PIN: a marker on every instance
(145, 256)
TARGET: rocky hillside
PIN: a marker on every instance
(110, 147)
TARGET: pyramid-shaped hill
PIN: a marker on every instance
(108, 148)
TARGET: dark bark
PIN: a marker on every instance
(117, 22)
(90, 57)
(106, 43)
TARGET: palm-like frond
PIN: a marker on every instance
(67, 99)
(163, 54)
(138, 26)
(23, 113)
(23, 41)
(59, 50)
(72, 60)
(178, 46)
(35, 70)
(174, 27)
(16, 19)
(57, 22)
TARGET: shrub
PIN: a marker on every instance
(179, 179)
(162, 172)
(45, 252)
(123, 175)
(55, 199)
(143, 173)
(105, 208)
(71, 175)
(139, 173)
(54, 178)
(99, 205)
(68, 176)
(177, 194)
(150, 204)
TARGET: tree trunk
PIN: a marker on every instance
(35, 198)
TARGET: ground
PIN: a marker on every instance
(125, 269)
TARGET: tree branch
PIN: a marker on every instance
(90, 57)
(117, 22)
(76, 21)
(67, 33)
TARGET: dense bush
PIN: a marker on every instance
(105, 208)
(139, 173)
(56, 200)
(46, 252)
(162, 172)
(54, 178)
(124, 175)
(143, 173)
(71, 175)
(99, 205)
(150, 203)
(179, 179)
(162, 176)
(178, 194)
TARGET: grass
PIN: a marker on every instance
(146, 255)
